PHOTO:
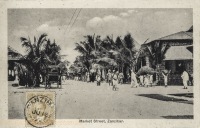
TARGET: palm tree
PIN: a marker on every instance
(157, 51)
(106, 53)
(39, 55)
(88, 50)
(53, 51)
(123, 50)
(130, 50)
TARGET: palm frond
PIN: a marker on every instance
(41, 39)
(80, 49)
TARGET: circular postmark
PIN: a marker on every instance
(40, 111)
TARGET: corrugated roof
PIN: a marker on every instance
(191, 29)
(182, 35)
(13, 54)
(178, 36)
(10, 49)
(190, 48)
(178, 53)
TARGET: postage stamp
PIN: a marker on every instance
(40, 109)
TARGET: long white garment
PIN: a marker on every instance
(165, 78)
(151, 79)
(9, 72)
(185, 78)
(133, 79)
(115, 79)
(13, 72)
(142, 79)
(88, 77)
(146, 80)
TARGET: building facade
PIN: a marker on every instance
(13, 58)
(173, 52)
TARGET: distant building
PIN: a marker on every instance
(13, 57)
(173, 52)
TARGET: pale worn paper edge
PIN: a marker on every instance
(139, 123)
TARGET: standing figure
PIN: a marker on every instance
(92, 77)
(134, 82)
(128, 78)
(109, 77)
(115, 80)
(26, 79)
(141, 80)
(146, 80)
(112, 74)
(16, 81)
(151, 80)
(98, 78)
(41, 80)
(121, 77)
(88, 76)
(185, 78)
(165, 75)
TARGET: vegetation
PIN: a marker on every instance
(39, 54)
(156, 51)
(103, 54)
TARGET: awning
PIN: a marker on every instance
(178, 53)
(190, 48)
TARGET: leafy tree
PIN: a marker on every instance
(106, 53)
(39, 55)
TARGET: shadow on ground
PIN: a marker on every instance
(179, 117)
(189, 95)
(165, 98)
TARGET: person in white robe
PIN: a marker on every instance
(115, 80)
(185, 78)
(141, 80)
(134, 82)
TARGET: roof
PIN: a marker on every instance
(182, 35)
(10, 49)
(190, 48)
(178, 36)
(13, 54)
(191, 29)
(178, 53)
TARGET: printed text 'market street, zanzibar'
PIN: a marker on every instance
(100, 121)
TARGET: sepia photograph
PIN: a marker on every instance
(102, 63)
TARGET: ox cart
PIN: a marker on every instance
(53, 76)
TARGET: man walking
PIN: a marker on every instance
(165, 75)
(98, 78)
(185, 78)
(133, 79)
(109, 77)
(87, 76)
(121, 77)
(141, 80)
(115, 80)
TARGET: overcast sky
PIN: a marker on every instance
(141, 23)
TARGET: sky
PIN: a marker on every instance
(67, 29)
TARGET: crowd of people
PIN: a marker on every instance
(115, 78)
